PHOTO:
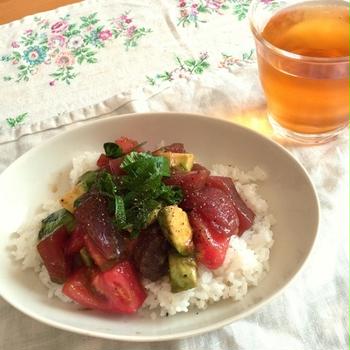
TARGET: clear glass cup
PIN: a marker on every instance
(303, 65)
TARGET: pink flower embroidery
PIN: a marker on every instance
(105, 34)
(59, 27)
(15, 44)
(214, 4)
(52, 82)
(130, 31)
(56, 41)
(64, 59)
(183, 13)
(28, 31)
(128, 20)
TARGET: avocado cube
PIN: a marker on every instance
(183, 160)
(182, 272)
(176, 227)
(67, 201)
(84, 184)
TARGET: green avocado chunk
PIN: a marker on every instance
(183, 160)
(176, 227)
(54, 221)
(183, 272)
(84, 184)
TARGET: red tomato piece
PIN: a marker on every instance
(75, 241)
(78, 288)
(245, 214)
(51, 250)
(122, 287)
(96, 254)
(210, 245)
(102, 161)
(127, 145)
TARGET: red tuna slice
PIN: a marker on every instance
(114, 166)
(94, 217)
(210, 246)
(51, 250)
(189, 180)
(246, 215)
(96, 254)
(216, 207)
(75, 241)
(174, 148)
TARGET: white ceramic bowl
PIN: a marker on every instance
(288, 190)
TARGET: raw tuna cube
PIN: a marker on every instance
(246, 215)
(52, 251)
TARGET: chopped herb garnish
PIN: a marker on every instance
(54, 221)
(119, 213)
(112, 150)
(136, 197)
(88, 179)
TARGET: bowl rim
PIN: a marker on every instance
(183, 334)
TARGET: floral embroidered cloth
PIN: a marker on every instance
(58, 67)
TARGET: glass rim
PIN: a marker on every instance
(285, 53)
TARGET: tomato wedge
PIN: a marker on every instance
(210, 245)
(78, 288)
(121, 286)
(102, 161)
(117, 290)
(127, 145)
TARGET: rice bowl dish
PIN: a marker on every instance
(246, 262)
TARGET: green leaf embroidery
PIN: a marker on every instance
(185, 69)
(71, 31)
(241, 10)
(85, 54)
(24, 73)
(13, 122)
(65, 74)
(89, 20)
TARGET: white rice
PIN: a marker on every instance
(246, 261)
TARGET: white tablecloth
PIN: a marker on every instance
(312, 313)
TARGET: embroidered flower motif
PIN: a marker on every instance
(105, 34)
(185, 70)
(229, 61)
(75, 42)
(34, 55)
(59, 27)
(65, 44)
(130, 31)
(56, 41)
(15, 44)
(198, 11)
(180, 73)
(64, 59)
